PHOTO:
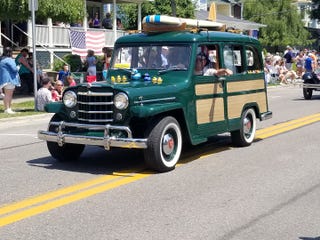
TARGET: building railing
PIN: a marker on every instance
(59, 36)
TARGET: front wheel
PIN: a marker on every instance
(245, 135)
(68, 152)
(164, 145)
(307, 93)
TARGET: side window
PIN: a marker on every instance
(206, 59)
(122, 58)
(253, 60)
(233, 59)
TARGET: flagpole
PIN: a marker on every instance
(85, 20)
(114, 21)
(35, 82)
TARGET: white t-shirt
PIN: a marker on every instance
(43, 97)
(210, 72)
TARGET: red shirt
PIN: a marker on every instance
(55, 96)
(73, 83)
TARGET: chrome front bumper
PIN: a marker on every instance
(106, 141)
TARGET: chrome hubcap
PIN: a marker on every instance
(168, 144)
(247, 125)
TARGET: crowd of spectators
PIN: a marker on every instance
(95, 21)
(106, 22)
(291, 65)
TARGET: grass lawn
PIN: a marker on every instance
(21, 109)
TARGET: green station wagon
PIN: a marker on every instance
(154, 99)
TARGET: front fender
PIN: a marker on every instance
(143, 111)
(54, 107)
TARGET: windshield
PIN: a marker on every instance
(152, 57)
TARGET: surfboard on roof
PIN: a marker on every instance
(162, 23)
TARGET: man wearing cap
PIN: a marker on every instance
(289, 58)
(164, 56)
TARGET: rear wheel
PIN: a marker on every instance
(164, 145)
(245, 135)
(68, 152)
(307, 93)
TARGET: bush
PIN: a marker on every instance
(73, 60)
(75, 63)
(99, 63)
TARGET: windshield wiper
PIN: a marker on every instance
(174, 68)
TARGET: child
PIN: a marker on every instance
(71, 81)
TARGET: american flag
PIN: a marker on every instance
(82, 41)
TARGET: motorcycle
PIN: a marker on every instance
(311, 82)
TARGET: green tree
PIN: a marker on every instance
(284, 25)
(58, 10)
(179, 8)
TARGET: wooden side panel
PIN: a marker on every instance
(236, 103)
(210, 110)
(245, 85)
(208, 88)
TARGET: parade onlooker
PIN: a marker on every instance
(56, 93)
(300, 63)
(25, 72)
(308, 63)
(107, 21)
(71, 81)
(95, 21)
(276, 58)
(313, 55)
(119, 24)
(63, 74)
(44, 95)
(289, 57)
(9, 78)
(107, 54)
(91, 62)
(285, 74)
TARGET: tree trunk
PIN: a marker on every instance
(174, 8)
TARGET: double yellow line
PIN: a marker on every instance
(39, 204)
(32, 206)
(287, 126)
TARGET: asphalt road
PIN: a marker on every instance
(269, 190)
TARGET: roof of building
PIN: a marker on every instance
(230, 22)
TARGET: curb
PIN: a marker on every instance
(30, 117)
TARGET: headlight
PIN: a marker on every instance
(121, 101)
(70, 99)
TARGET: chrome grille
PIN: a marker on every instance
(95, 107)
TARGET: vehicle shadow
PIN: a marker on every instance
(309, 238)
(314, 97)
(96, 160)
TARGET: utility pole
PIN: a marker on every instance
(33, 6)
